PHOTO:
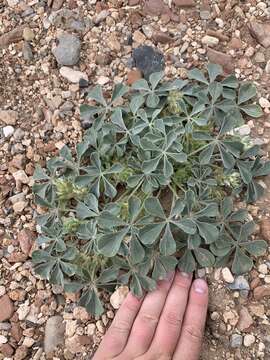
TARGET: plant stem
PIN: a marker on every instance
(198, 150)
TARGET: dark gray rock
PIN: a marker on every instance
(67, 52)
(27, 51)
(148, 59)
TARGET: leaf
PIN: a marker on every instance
(40, 174)
(137, 252)
(108, 275)
(206, 154)
(155, 78)
(255, 247)
(252, 110)
(150, 165)
(246, 92)
(245, 171)
(97, 95)
(231, 82)
(187, 262)
(152, 101)
(227, 158)
(153, 207)
(141, 85)
(241, 262)
(167, 244)
(208, 232)
(119, 91)
(196, 74)
(215, 90)
(88, 208)
(109, 244)
(204, 257)
(136, 103)
(134, 207)
(117, 119)
(135, 286)
(149, 233)
(187, 225)
(214, 70)
(210, 210)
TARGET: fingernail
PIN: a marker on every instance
(185, 275)
(200, 286)
(169, 276)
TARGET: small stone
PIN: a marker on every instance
(245, 320)
(264, 103)
(6, 308)
(265, 229)
(12, 36)
(162, 38)
(214, 316)
(261, 291)
(73, 345)
(100, 17)
(28, 342)
(236, 341)
(250, 51)
(83, 83)
(240, 283)
(210, 40)
(235, 43)
(154, 7)
(139, 37)
(26, 240)
(261, 32)
(133, 76)
(119, 296)
(114, 43)
(267, 67)
(205, 14)
(57, 4)
(257, 310)
(71, 326)
(227, 275)
(100, 327)
(23, 311)
(16, 331)
(91, 329)
(222, 59)
(243, 130)
(249, 340)
(71, 75)
(80, 313)
(3, 339)
(259, 57)
(8, 131)
(148, 60)
(2, 290)
(103, 80)
(185, 3)
(263, 269)
(27, 51)
(67, 52)
(19, 206)
(20, 176)
(7, 350)
(104, 59)
(8, 117)
(21, 353)
(28, 34)
(54, 334)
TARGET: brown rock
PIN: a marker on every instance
(184, 3)
(133, 76)
(261, 291)
(257, 310)
(245, 320)
(154, 7)
(222, 59)
(255, 283)
(265, 229)
(16, 331)
(6, 308)
(218, 34)
(17, 257)
(161, 37)
(85, 340)
(26, 239)
(103, 59)
(235, 43)
(17, 294)
(72, 4)
(134, 2)
(8, 117)
(21, 353)
(135, 19)
(57, 4)
(261, 32)
(12, 36)
(7, 350)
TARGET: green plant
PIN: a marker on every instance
(152, 186)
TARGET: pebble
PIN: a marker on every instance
(71, 75)
(218, 57)
(257, 310)
(249, 340)
(26, 239)
(81, 314)
(27, 51)
(267, 67)
(67, 52)
(265, 229)
(245, 320)
(133, 76)
(12, 36)
(210, 40)
(236, 341)
(103, 80)
(261, 32)
(21, 353)
(118, 296)
(91, 329)
(3, 339)
(2, 290)
(148, 60)
(54, 334)
(28, 34)
(261, 291)
(227, 275)
(264, 102)
(263, 269)
(240, 283)
(8, 131)
(243, 130)
(6, 308)
(185, 3)
(8, 117)
(7, 350)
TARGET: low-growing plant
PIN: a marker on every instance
(154, 185)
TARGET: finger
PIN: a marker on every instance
(190, 341)
(118, 333)
(169, 326)
(147, 319)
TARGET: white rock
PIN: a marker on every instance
(220, 22)
(21, 176)
(102, 80)
(8, 131)
(250, 51)
(28, 342)
(263, 269)
(210, 40)
(23, 311)
(267, 67)
(249, 340)
(71, 326)
(119, 296)
(12, 3)
(91, 328)
(8, 117)
(264, 102)
(19, 206)
(242, 130)
(71, 75)
(2, 290)
(227, 275)
(3, 339)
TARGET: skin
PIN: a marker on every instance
(167, 323)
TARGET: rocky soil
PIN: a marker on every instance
(50, 53)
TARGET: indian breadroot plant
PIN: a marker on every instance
(154, 185)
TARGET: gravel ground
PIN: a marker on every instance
(50, 52)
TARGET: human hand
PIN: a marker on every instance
(167, 323)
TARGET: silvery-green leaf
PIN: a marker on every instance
(167, 243)
(153, 207)
(204, 257)
(119, 91)
(141, 85)
(152, 101)
(149, 233)
(137, 252)
(187, 262)
(97, 95)
(206, 154)
(109, 244)
(136, 102)
(155, 78)
(196, 74)
(208, 232)
(214, 70)
(241, 262)
(252, 110)
(247, 91)
(40, 174)
(230, 82)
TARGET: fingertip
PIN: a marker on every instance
(200, 286)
